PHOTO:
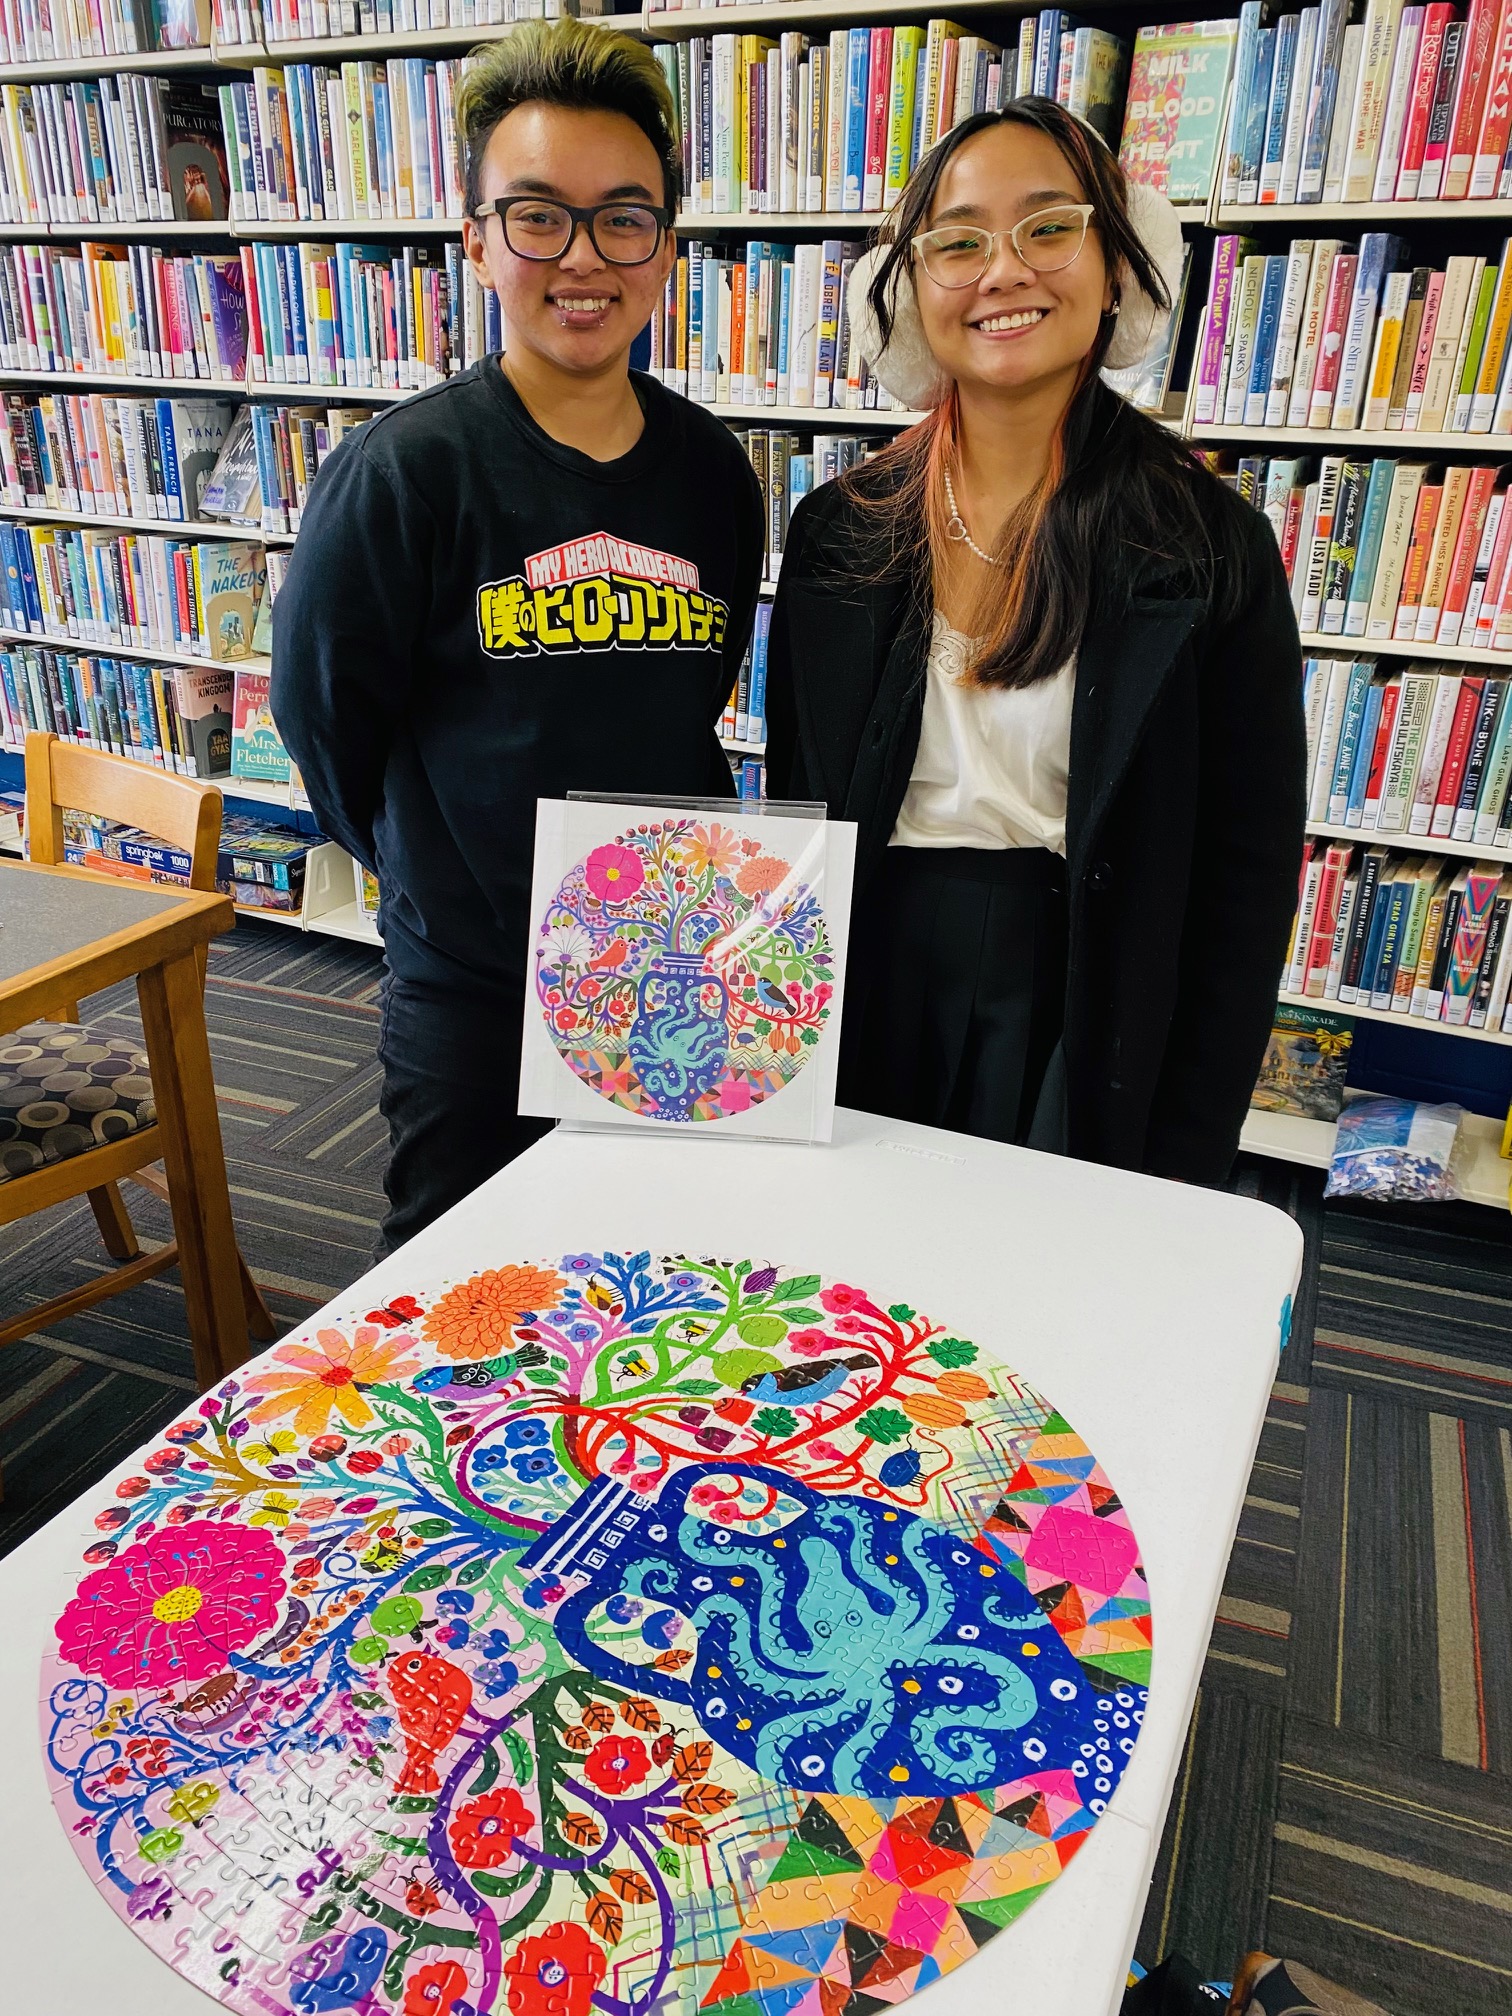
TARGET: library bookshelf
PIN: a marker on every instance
(330, 906)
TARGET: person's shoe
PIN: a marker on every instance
(1267, 1987)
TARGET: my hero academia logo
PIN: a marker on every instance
(600, 594)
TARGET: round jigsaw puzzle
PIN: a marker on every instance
(621, 1633)
(684, 971)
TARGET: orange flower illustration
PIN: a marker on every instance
(475, 1319)
(713, 848)
(310, 1383)
(761, 876)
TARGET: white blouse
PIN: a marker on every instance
(993, 761)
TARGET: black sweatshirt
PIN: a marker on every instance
(477, 616)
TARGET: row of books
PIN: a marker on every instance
(1410, 552)
(1425, 752)
(129, 149)
(175, 717)
(44, 31)
(745, 717)
(764, 324)
(111, 456)
(141, 591)
(793, 126)
(242, 22)
(787, 469)
(1336, 335)
(261, 866)
(1407, 934)
(133, 309)
(367, 140)
(272, 455)
(1407, 104)
(387, 317)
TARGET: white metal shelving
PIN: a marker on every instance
(1409, 843)
(1391, 647)
(1234, 216)
(1326, 440)
(202, 388)
(69, 67)
(182, 528)
(162, 654)
(1415, 1022)
(820, 418)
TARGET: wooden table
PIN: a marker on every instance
(67, 932)
(1151, 1313)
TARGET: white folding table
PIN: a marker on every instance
(1148, 1312)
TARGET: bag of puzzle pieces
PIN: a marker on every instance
(1397, 1151)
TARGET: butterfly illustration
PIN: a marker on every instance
(393, 1315)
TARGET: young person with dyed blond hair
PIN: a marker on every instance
(537, 577)
(1048, 664)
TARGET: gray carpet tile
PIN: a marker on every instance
(1345, 1794)
(1367, 1621)
(293, 1024)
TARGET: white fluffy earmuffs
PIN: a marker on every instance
(906, 365)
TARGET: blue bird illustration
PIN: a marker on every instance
(773, 998)
(805, 1384)
(354, 1976)
(478, 1378)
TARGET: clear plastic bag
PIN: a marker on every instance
(1397, 1151)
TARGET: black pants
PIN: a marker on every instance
(451, 1080)
(961, 958)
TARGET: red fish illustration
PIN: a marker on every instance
(431, 1696)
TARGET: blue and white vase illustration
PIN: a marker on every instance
(680, 1037)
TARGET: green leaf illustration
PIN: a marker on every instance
(884, 1424)
(951, 1351)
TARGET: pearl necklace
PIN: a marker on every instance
(957, 526)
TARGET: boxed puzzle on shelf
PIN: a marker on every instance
(1306, 1062)
(260, 866)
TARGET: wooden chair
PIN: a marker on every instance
(187, 816)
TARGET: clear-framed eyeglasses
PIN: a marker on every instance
(957, 255)
(536, 227)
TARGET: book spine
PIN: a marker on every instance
(1341, 287)
(1482, 737)
(1440, 115)
(1320, 87)
(1398, 100)
(1442, 723)
(1288, 330)
(1361, 927)
(1425, 76)
(1470, 100)
(1226, 257)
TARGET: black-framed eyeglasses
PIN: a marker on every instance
(537, 227)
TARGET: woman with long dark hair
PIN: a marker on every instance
(1049, 665)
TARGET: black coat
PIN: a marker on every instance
(1184, 819)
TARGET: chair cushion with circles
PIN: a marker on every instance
(67, 1088)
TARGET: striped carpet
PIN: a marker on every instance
(1346, 1793)
(293, 1029)
(1345, 1796)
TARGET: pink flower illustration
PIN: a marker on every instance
(734, 1094)
(173, 1608)
(613, 873)
(840, 1300)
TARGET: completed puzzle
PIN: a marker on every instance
(618, 1634)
